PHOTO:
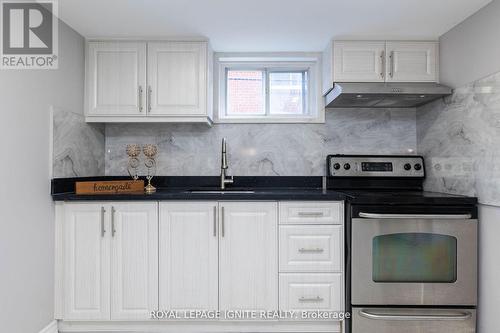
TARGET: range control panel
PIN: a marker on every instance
(375, 166)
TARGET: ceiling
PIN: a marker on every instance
(267, 25)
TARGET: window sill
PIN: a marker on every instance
(268, 120)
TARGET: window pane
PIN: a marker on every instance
(287, 91)
(245, 92)
(414, 257)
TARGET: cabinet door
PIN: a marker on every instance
(248, 256)
(358, 61)
(134, 260)
(86, 262)
(177, 75)
(188, 256)
(116, 78)
(412, 61)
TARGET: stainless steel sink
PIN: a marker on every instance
(221, 191)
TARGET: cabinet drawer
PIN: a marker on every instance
(310, 248)
(311, 212)
(318, 291)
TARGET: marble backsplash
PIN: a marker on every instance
(460, 139)
(78, 147)
(265, 149)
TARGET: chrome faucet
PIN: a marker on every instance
(224, 178)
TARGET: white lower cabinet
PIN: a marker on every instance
(111, 261)
(118, 261)
(134, 260)
(311, 251)
(86, 262)
(188, 256)
(248, 251)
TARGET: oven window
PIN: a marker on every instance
(415, 257)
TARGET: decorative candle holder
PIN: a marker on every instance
(150, 152)
(133, 151)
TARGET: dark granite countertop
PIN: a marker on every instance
(262, 188)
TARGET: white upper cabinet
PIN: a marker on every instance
(380, 61)
(412, 61)
(358, 61)
(168, 81)
(177, 74)
(188, 256)
(248, 252)
(116, 78)
(134, 260)
(86, 262)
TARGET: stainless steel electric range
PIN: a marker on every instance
(411, 255)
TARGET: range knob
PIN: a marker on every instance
(418, 166)
(336, 166)
(347, 166)
(407, 166)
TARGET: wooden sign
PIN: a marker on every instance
(110, 187)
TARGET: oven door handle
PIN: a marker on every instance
(416, 216)
(458, 315)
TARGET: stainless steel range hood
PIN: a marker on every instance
(384, 95)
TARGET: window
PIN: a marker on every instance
(272, 91)
(414, 257)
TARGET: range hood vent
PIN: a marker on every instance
(384, 95)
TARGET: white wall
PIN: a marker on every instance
(471, 50)
(26, 214)
(489, 290)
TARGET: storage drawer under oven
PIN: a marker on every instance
(413, 320)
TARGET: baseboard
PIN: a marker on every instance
(201, 327)
(50, 328)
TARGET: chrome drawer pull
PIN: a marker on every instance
(140, 98)
(316, 250)
(310, 214)
(311, 299)
(223, 229)
(215, 221)
(382, 64)
(459, 315)
(113, 230)
(150, 91)
(416, 216)
(103, 231)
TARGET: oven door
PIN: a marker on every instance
(412, 320)
(413, 259)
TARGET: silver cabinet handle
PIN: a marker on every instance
(382, 64)
(150, 91)
(215, 221)
(305, 250)
(310, 214)
(140, 98)
(391, 58)
(311, 299)
(103, 231)
(222, 229)
(416, 216)
(373, 314)
(113, 230)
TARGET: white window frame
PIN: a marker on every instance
(269, 64)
